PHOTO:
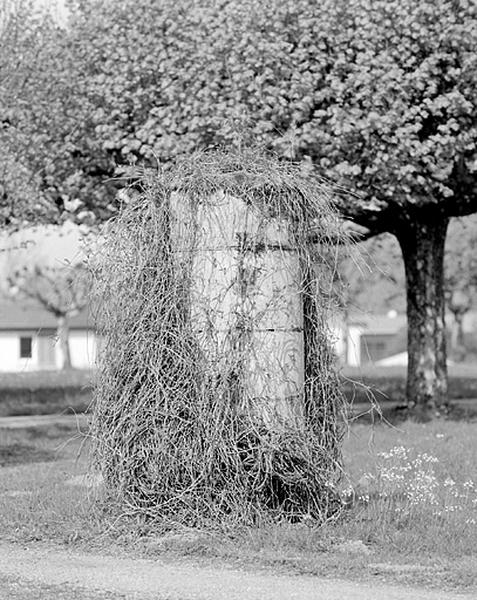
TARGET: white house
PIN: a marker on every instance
(367, 338)
(381, 340)
(28, 339)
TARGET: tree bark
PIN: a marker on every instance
(422, 239)
(63, 332)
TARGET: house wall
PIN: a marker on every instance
(10, 352)
(83, 347)
(346, 343)
(354, 346)
(353, 358)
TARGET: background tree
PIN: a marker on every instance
(373, 281)
(16, 46)
(62, 291)
(368, 280)
(461, 279)
(376, 283)
(43, 122)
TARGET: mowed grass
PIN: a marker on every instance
(37, 502)
(411, 515)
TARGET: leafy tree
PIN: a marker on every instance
(404, 123)
(377, 94)
(22, 96)
(63, 291)
(14, 176)
(43, 122)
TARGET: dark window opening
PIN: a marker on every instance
(25, 347)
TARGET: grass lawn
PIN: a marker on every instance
(388, 384)
(368, 387)
(412, 518)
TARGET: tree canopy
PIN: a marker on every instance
(379, 94)
(43, 120)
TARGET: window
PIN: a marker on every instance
(25, 347)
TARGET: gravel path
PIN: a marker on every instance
(42, 574)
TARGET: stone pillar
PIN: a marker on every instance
(246, 301)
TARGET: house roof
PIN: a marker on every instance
(28, 316)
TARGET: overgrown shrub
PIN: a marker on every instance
(181, 433)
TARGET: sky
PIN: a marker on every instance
(50, 245)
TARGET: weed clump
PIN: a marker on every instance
(217, 399)
(407, 498)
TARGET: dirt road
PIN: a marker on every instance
(39, 573)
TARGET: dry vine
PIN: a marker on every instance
(179, 435)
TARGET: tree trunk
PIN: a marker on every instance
(459, 303)
(345, 333)
(63, 332)
(422, 240)
(458, 349)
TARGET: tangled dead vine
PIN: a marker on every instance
(180, 435)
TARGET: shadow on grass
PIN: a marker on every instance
(19, 454)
